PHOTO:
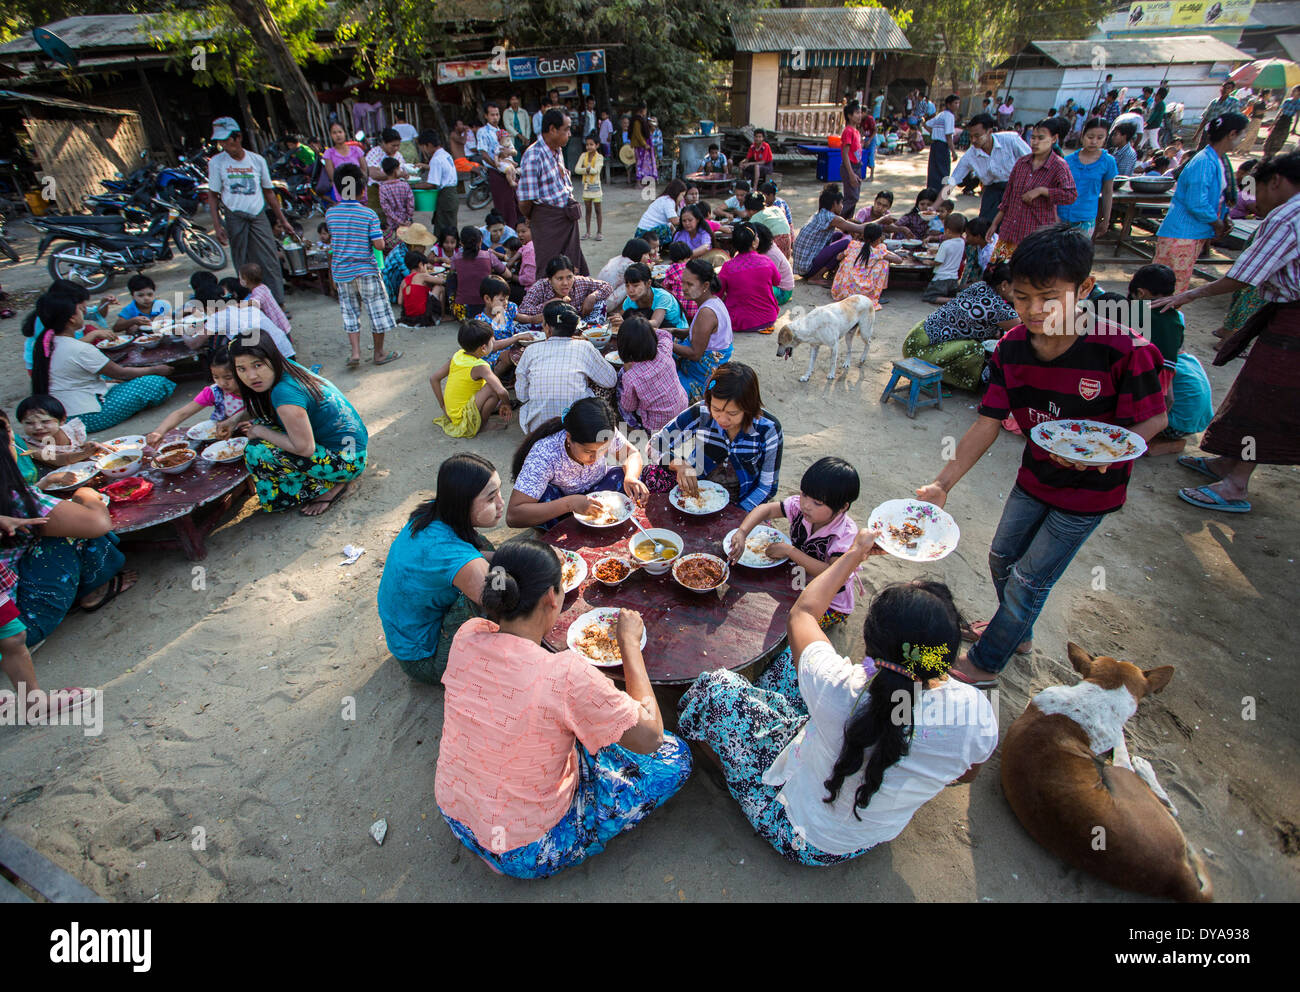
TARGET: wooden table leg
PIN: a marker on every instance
(191, 538)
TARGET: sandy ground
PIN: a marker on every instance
(226, 683)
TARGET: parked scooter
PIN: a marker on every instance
(100, 248)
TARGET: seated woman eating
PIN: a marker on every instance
(656, 305)
(543, 760)
(737, 443)
(709, 342)
(564, 459)
(953, 336)
(306, 442)
(72, 371)
(791, 752)
(694, 231)
(749, 283)
(433, 576)
(611, 273)
(68, 561)
(586, 295)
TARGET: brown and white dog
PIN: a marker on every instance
(1109, 820)
(829, 325)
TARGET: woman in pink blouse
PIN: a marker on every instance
(544, 760)
(748, 281)
(1039, 183)
(340, 152)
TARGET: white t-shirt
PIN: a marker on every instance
(236, 320)
(240, 184)
(948, 260)
(407, 131)
(955, 727)
(662, 211)
(942, 126)
(74, 376)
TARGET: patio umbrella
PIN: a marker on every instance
(1267, 74)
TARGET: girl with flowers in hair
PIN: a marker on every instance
(827, 769)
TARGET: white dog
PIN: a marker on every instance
(829, 325)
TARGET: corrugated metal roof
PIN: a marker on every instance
(1178, 50)
(1274, 15)
(1290, 44)
(13, 96)
(818, 29)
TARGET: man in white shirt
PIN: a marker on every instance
(441, 172)
(991, 156)
(942, 126)
(537, 117)
(243, 318)
(407, 133)
(240, 181)
(518, 124)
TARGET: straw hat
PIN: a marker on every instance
(417, 234)
(626, 155)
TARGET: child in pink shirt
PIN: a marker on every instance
(649, 393)
(250, 277)
(820, 527)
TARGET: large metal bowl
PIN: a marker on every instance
(1151, 184)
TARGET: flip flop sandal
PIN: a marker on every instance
(392, 356)
(977, 683)
(6, 313)
(354, 363)
(974, 631)
(1199, 465)
(600, 237)
(114, 587)
(327, 503)
(1217, 502)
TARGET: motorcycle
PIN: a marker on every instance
(478, 193)
(101, 248)
(184, 186)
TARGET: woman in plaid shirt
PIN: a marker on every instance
(1039, 183)
(728, 439)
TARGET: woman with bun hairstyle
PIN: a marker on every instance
(543, 760)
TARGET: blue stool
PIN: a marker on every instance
(924, 389)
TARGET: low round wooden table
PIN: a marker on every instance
(184, 360)
(686, 633)
(910, 275)
(192, 502)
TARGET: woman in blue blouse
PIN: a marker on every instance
(728, 439)
(1201, 200)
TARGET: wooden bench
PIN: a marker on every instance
(36, 872)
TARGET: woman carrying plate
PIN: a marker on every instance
(728, 439)
(66, 559)
(952, 337)
(306, 444)
(543, 760)
(564, 459)
(824, 769)
(433, 575)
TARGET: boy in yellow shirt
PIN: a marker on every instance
(465, 403)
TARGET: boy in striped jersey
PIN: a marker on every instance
(1060, 363)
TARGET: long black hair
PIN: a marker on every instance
(587, 422)
(561, 318)
(521, 573)
(743, 237)
(460, 479)
(929, 193)
(916, 613)
(62, 287)
(261, 346)
(702, 269)
(55, 310)
(471, 240)
(15, 498)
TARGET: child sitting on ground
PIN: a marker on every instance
(635, 251)
(464, 401)
(820, 531)
(935, 232)
(864, 266)
(499, 313)
(323, 235)
(495, 232)
(53, 438)
(679, 253)
(715, 163)
(144, 307)
(250, 277)
(222, 396)
(525, 262)
(947, 267)
(731, 208)
(1165, 329)
(421, 294)
(977, 248)
(649, 392)
(448, 246)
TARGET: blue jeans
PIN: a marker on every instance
(1033, 545)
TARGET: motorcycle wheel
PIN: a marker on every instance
(478, 196)
(204, 249)
(7, 250)
(92, 278)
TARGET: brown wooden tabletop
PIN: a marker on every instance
(176, 498)
(686, 633)
(184, 360)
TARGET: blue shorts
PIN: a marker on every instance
(869, 153)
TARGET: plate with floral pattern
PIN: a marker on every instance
(914, 530)
(1088, 441)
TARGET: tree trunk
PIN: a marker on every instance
(299, 97)
(441, 121)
